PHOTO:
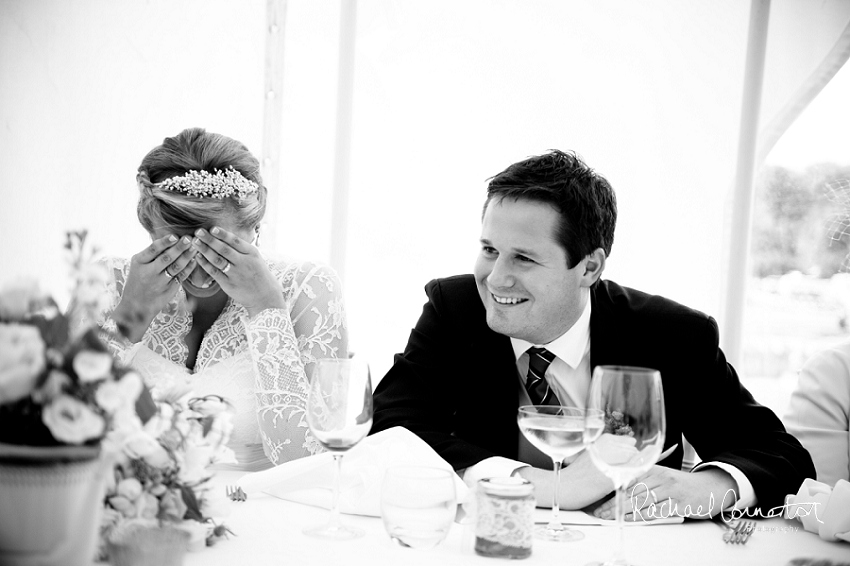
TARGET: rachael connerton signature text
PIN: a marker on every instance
(668, 508)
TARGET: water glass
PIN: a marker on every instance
(418, 505)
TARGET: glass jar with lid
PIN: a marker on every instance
(504, 526)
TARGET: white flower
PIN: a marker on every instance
(72, 421)
(147, 506)
(91, 366)
(125, 422)
(195, 461)
(142, 445)
(115, 395)
(21, 361)
(17, 299)
(131, 488)
(123, 506)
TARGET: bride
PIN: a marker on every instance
(201, 304)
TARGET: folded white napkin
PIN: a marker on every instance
(822, 509)
(310, 480)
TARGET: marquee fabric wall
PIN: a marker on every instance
(444, 95)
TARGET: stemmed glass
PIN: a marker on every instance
(339, 413)
(558, 432)
(633, 436)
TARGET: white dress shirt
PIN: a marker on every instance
(569, 377)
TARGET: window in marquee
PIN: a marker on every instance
(798, 297)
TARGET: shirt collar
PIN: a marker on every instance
(570, 346)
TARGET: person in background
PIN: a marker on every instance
(201, 308)
(536, 307)
(819, 412)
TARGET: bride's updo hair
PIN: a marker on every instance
(195, 149)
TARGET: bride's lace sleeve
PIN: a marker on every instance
(283, 347)
(117, 268)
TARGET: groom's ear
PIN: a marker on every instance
(592, 265)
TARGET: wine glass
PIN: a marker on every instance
(558, 432)
(339, 413)
(631, 441)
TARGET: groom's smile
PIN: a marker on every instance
(507, 300)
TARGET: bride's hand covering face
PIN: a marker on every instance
(238, 268)
(152, 281)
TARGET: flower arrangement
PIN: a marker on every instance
(615, 423)
(64, 397)
(161, 476)
(59, 384)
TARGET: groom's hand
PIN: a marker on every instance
(581, 484)
(664, 492)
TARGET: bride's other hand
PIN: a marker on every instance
(239, 269)
(152, 282)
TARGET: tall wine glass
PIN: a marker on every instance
(558, 432)
(339, 412)
(632, 401)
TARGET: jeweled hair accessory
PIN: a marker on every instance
(221, 184)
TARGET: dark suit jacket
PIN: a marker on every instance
(455, 385)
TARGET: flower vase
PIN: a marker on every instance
(51, 499)
(147, 545)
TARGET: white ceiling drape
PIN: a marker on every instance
(445, 94)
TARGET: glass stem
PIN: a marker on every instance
(619, 500)
(555, 522)
(334, 522)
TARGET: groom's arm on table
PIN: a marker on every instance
(743, 445)
(421, 393)
(731, 431)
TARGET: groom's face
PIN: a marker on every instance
(522, 275)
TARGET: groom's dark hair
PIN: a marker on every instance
(583, 198)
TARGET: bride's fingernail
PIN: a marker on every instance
(215, 230)
(172, 238)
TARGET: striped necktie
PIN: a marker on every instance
(535, 383)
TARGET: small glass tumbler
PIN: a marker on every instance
(504, 527)
(418, 505)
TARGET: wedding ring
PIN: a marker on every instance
(226, 267)
(167, 274)
(653, 495)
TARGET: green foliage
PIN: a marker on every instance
(792, 219)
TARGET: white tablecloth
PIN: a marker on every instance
(268, 531)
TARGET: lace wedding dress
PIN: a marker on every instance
(258, 364)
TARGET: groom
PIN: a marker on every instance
(529, 327)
